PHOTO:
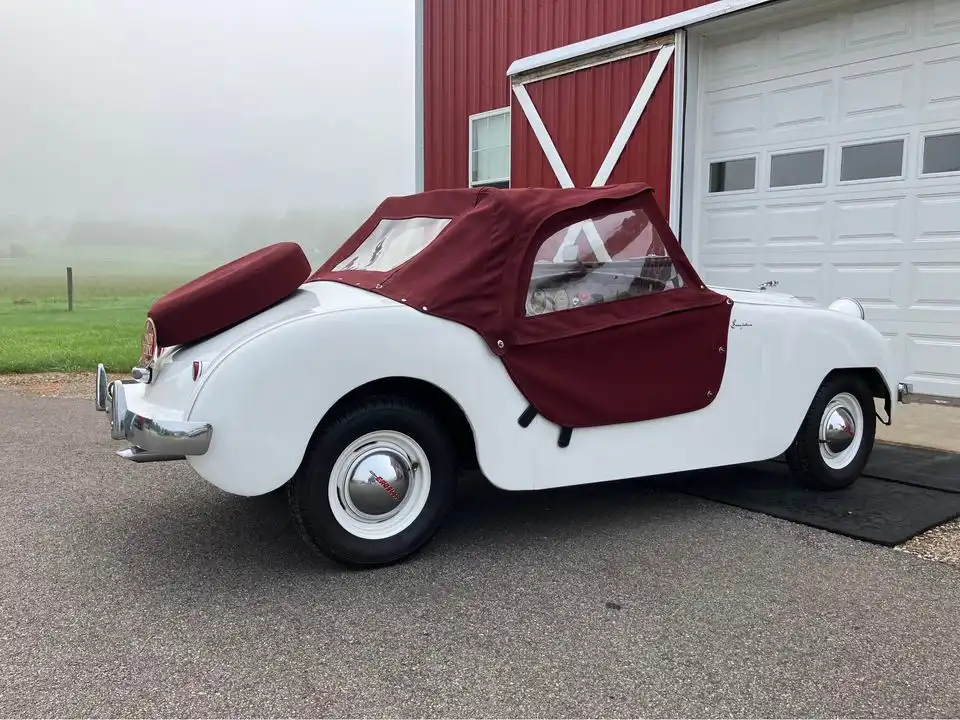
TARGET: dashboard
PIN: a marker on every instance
(560, 286)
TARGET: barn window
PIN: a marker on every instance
(490, 148)
(941, 153)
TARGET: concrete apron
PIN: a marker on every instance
(923, 425)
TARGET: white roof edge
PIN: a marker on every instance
(631, 34)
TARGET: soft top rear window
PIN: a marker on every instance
(392, 243)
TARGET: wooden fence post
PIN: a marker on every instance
(70, 289)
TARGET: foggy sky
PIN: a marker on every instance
(131, 107)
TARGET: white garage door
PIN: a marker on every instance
(829, 159)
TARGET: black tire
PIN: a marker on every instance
(308, 490)
(807, 464)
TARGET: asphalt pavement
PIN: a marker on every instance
(132, 590)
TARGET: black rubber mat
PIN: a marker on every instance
(923, 467)
(874, 509)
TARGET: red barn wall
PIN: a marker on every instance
(468, 46)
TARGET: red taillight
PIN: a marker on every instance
(197, 368)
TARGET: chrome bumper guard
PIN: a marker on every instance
(904, 392)
(151, 440)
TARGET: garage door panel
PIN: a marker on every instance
(935, 290)
(732, 275)
(729, 229)
(943, 18)
(876, 285)
(871, 222)
(796, 225)
(938, 87)
(737, 120)
(880, 25)
(932, 360)
(938, 220)
(804, 107)
(877, 91)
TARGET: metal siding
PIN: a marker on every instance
(468, 46)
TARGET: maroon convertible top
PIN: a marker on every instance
(646, 356)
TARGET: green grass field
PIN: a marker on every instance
(39, 334)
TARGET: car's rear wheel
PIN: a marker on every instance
(834, 441)
(376, 484)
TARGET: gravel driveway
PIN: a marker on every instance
(139, 591)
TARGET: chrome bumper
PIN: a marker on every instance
(904, 392)
(151, 440)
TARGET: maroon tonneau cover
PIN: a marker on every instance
(640, 358)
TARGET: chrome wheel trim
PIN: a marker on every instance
(379, 484)
(841, 431)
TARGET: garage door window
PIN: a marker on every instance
(733, 175)
(872, 161)
(941, 153)
(793, 169)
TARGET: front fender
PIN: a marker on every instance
(802, 346)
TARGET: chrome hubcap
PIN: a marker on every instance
(377, 482)
(841, 431)
(379, 485)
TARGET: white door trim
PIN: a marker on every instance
(615, 40)
(678, 123)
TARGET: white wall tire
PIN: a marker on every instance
(376, 484)
(836, 437)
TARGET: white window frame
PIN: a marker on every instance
(923, 149)
(470, 123)
(878, 140)
(733, 157)
(768, 168)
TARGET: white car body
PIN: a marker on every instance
(266, 384)
(441, 336)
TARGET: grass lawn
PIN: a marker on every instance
(39, 334)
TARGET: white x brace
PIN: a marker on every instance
(613, 154)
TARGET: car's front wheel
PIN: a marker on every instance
(834, 441)
(376, 484)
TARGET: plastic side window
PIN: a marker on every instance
(607, 258)
(392, 243)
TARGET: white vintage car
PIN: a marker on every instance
(547, 337)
